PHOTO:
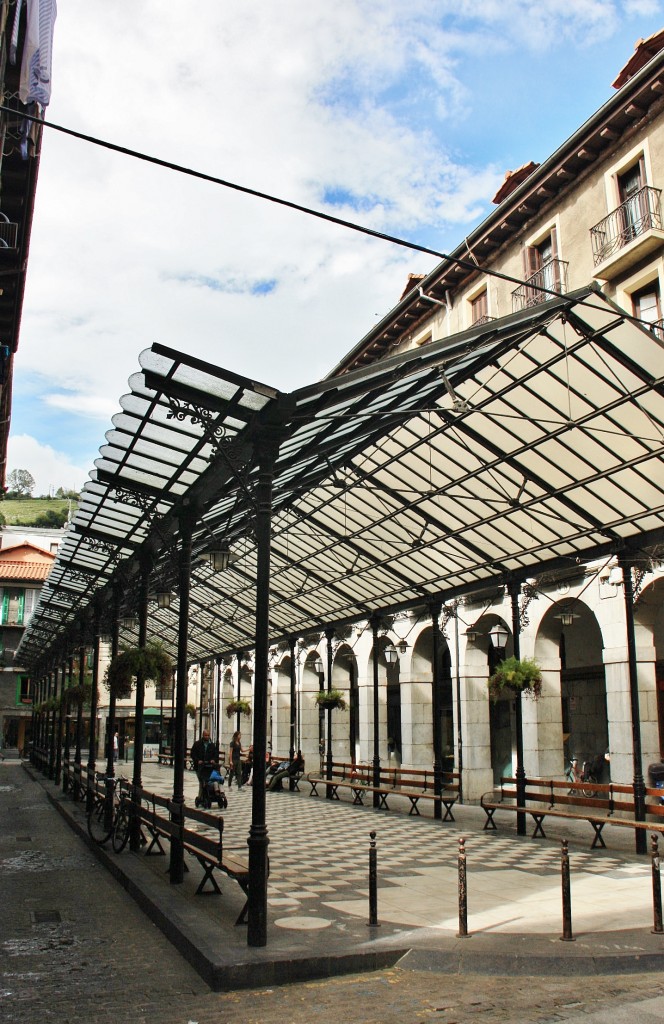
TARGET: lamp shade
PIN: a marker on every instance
(391, 655)
(499, 635)
(219, 557)
(163, 599)
(128, 621)
(318, 666)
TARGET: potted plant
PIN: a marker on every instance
(191, 710)
(242, 707)
(513, 675)
(82, 691)
(330, 699)
(151, 661)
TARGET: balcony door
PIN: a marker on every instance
(632, 214)
(647, 306)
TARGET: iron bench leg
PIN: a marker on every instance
(208, 868)
(448, 816)
(489, 824)
(538, 818)
(358, 796)
(599, 838)
(414, 809)
(382, 806)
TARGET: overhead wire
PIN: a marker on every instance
(466, 264)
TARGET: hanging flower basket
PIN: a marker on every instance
(151, 661)
(513, 675)
(242, 707)
(82, 692)
(330, 699)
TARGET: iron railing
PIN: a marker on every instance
(483, 320)
(551, 276)
(657, 328)
(634, 217)
(8, 232)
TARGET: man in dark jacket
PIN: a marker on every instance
(205, 757)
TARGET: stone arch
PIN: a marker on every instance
(346, 724)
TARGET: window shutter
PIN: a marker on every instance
(30, 596)
(531, 261)
(21, 607)
(4, 614)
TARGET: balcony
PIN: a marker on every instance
(551, 276)
(485, 319)
(628, 234)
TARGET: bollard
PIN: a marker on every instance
(656, 885)
(373, 883)
(567, 895)
(463, 892)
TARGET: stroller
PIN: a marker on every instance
(212, 782)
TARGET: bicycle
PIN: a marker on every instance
(122, 821)
(573, 775)
(100, 828)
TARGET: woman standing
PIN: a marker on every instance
(235, 751)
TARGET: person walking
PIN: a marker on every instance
(235, 751)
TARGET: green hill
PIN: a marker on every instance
(26, 511)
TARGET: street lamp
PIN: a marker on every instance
(402, 645)
(163, 599)
(472, 634)
(391, 656)
(219, 556)
(128, 622)
(498, 636)
(318, 666)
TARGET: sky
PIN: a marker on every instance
(402, 117)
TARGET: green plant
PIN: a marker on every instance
(82, 691)
(241, 706)
(191, 710)
(330, 699)
(151, 661)
(514, 674)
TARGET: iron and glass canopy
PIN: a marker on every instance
(530, 443)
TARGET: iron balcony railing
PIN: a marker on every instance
(634, 217)
(483, 320)
(657, 328)
(551, 276)
(8, 232)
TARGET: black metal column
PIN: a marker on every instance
(60, 726)
(217, 701)
(66, 775)
(329, 635)
(375, 624)
(176, 866)
(436, 704)
(137, 777)
(79, 717)
(94, 700)
(641, 838)
(459, 764)
(110, 742)
(514, 591)
(52, 730)
(293, 708)
(258, 838)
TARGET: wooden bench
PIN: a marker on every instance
(206, 847)
(599, 804)
(415, 784)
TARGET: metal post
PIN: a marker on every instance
(291, 751)
(94, 696)
(656, 885)
(463, 892)
(329, 634)
(514, 591)
(458, 702)
(51, 730)
(110, 752)
(79, 717)
(66, 775)
(217, 701)
(137, 778)
(375, 623)
(258, 836)
(61, 719)
(176, 866)
(436, 702)
(373, 882)
(567, 894)
(641, 840)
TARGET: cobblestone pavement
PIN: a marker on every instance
(75, 948)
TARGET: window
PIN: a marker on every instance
(13, 607)
(646, 306)
(543, 272)
(479, 308)
(631, 200)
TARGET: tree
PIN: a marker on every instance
(21, 482)
(51, 519)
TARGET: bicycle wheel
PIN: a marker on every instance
(97, 828)
(121, 828)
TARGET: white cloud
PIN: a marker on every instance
(340, 104)
(50, 468)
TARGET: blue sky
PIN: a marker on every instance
(404, 117)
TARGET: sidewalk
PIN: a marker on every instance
(318, 894)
